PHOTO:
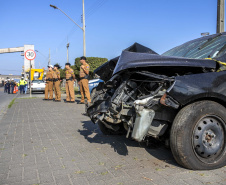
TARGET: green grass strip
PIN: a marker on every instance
(11, 103)
(28, 98)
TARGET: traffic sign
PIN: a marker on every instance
(30, 54)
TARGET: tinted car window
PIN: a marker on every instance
(37, 81)
(203, 48)
(210, 51)
(182, 50)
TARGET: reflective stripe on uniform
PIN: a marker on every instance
(22, 82)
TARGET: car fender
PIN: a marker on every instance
(189, 88)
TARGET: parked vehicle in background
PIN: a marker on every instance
(93, 83)
(38, 86)
(178, 97)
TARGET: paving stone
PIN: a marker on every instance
(15, 172)
(30, 182)
(62, 180)
(48, 143)
(80, 181)
(46, 177)
(30, 173)
(192, 181)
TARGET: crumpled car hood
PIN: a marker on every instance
(129, 60)
(105, 71)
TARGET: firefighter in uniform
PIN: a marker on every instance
(70, 77)
(49, 84)
(84, 83)
(56, 83)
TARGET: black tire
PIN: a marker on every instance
(197, 137)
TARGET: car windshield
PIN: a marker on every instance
(37, 81)
(202, 48)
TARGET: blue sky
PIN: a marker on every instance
(111, 26)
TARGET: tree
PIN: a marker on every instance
(94, 62)
(62, 71)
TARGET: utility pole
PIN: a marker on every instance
(83, 28)
(67, 52)
(49, 58)
(220, 15)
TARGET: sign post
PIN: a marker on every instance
(30, 55)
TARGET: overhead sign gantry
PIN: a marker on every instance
(21, 49)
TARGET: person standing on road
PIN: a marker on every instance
(12, 85)
(56, 83)
(25, 87)
(49, 84)
(8, 87)
(84, 83)
(5, 89)
(22, 85)
(70, 78)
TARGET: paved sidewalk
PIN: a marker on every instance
(45, 142)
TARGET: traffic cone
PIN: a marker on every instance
(14, 90)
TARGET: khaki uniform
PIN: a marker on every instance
(49, 85)
(56, 83)
(84, 84)
(70, 93)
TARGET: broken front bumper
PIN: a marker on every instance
(100, 106)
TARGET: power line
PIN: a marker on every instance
(90, 11)
(11, 70)
(99, 5)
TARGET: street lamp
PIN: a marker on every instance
(82, 28)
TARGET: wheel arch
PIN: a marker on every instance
(215, 99)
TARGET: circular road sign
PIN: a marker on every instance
(30, 54)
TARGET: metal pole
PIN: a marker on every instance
(220, 15)
(30, 79)
(67, 53)
(68, 17)
(84, 29)
(49, 57)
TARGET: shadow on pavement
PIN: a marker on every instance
(120, 143)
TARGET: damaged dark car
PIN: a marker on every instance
(178, 97)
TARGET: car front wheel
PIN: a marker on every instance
(197, 138)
